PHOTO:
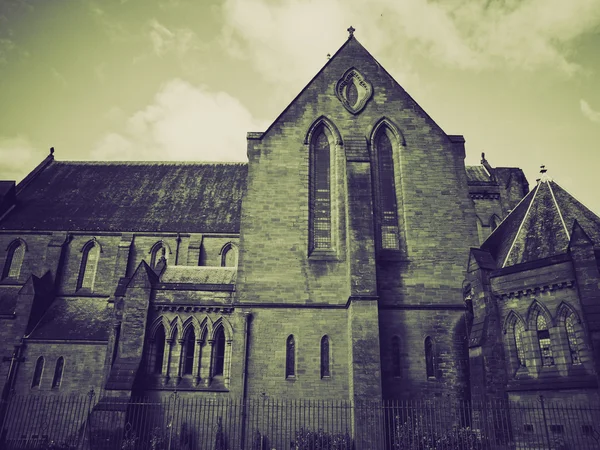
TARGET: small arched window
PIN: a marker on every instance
(58, 373)
(320, 195)
(430, 357)
(89, 266)
(389, 231)
(158, 253)
(325, 372)
(219, 352)
(14, 260)
(37, 373)
(189, 344)
(570, 322)
(543, 335)
(518, 330)
(229, 256)
(157, 351)
(290, 357)
(396, 356)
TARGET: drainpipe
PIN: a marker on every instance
(245, 377)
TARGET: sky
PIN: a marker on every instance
(186, 80)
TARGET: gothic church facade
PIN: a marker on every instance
(353, 257)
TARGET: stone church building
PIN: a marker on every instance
(354, 256)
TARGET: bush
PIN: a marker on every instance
(412, 434)
(320, 440)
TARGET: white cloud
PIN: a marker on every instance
(588, 112)
(19, 157)
(288, 40)
(164, 40)
(184, 122)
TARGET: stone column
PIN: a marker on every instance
(166, 361)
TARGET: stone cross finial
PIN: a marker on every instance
(543, 169)
(351, 30)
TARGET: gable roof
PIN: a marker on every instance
(75, 319)
(131, 196)
(540, 226)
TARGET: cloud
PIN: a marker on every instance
(588, 112)
(18, 156)
(288, 40)
(164, 40)
(184, 122)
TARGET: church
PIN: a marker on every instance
(353, 257)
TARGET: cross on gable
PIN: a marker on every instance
(351, 30)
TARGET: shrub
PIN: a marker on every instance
(412, 434)
(320, 440)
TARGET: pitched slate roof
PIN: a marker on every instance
(540, 226)
(131, 196)
(74, 319)
(199, 275)
(477, 173)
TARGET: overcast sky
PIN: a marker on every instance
(185, 80)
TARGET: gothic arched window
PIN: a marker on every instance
(89, 266)
(219, 352)
(396, 356)
(325, 357)
(158, 253)
(570, 322)
(290, 357)
(320, 193)
(14, 260)
(157, 351)
(37, 373)
(430, 357)
(543, 335)
(229, 256)
(518, 330)
(388, 215)
(189, 344)
(58, 372)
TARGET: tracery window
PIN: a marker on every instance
(543, 335)
(219, 352)
(89, 266)
(37, 373)
(396, 356)
(14, 260)
(320, 204)
(389, 231)
(188, 352)
(290, 357)
(430, 357)
(570, 322)
(58, 373)
(518, 330)
(325, 372)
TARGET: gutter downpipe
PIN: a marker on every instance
(245, 378)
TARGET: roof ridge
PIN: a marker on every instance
(537, 188)
(558, 209)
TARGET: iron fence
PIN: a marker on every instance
(187, 423)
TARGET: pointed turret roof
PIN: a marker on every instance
(540, 226)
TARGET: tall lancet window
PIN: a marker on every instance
(544, 340)
(387, 194)
(519, 329)
(89, 265)
(37, 373)
(572, 338)
(325, 357)
(290, 357)
(320, 205)
(14, 260)
(188, 352)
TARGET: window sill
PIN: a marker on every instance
(290, 378)
(323, 255)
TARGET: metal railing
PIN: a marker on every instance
(185, 422)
